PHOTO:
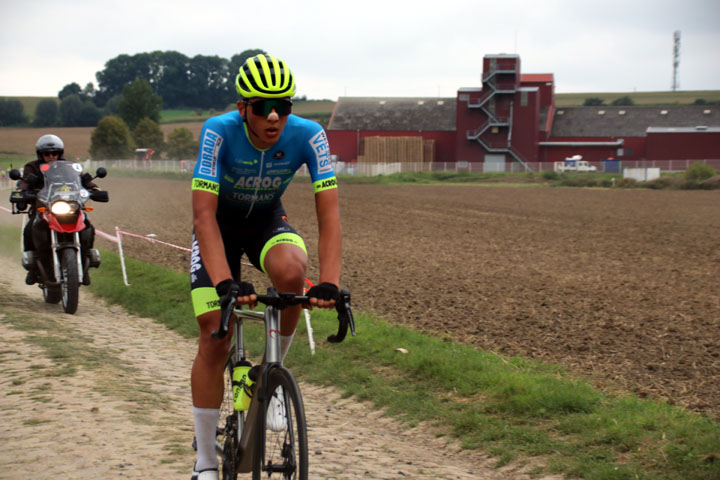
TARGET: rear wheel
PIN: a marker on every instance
(282, 436)
(70, 283)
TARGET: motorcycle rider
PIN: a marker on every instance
(50, 148)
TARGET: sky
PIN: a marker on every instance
(372, 48)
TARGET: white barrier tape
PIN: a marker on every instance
(149, 239)
(106, 236)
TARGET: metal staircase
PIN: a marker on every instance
(489, 85)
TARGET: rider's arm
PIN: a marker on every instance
(29, 168)
(330, 235)
(326, 208)
(207, 233)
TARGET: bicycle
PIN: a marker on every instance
(246, 443)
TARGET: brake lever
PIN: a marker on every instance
(345, 318)
(225, 318)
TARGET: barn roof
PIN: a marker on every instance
(629, 121)
(537, 77)
(394, 113)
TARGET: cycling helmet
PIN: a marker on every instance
(49, 143)
(265, 76)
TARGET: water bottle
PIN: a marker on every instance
(241, 385)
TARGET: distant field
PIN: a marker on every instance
(309, 108)
(18, 144)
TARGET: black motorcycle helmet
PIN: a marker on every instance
(49, 143)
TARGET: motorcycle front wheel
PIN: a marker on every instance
(69, 281)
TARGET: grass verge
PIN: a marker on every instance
(511, 407)
(668, 180)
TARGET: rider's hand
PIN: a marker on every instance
(323, 295)
(244, 290)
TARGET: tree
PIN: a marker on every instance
(182, 82)
(89, 115)
(593, 102)
(180, 144)
(88, 93)
(70, 89)
(148, 134)
(112, 106)
(139, 101)
(70, 110)
(76, 112)
(46, 113)
(119, 72)
(12, 112)
(209, 82)
(623, 101)
(173, 82)
(111, 139)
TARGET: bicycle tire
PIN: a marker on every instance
(229, 424)
(284, 451)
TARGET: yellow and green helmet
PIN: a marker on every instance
(265, 76)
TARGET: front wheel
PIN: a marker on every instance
(69, 281)
(281, 446)
(229, 428)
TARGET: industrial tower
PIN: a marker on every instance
(676, 60)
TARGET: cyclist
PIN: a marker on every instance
(246, 160)
(50, 148)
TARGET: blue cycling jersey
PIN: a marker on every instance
(248, 180)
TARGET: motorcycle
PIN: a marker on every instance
(59, 229)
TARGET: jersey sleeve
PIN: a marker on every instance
(206, 176)
(319, 165)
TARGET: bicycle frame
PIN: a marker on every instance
(271, 317)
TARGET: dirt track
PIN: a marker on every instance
(619, 285)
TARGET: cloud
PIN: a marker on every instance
(374, 48)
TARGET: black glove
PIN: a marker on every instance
(86, 178)
(227, 289)
(324, 291)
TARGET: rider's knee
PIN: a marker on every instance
(209, 346)
(290, 273)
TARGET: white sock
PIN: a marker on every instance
(205, 422)
(285, 342)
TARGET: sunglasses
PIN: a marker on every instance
(48, 154)
(264, 107)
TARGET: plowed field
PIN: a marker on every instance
(621, 286)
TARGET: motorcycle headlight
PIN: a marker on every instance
(61, 208)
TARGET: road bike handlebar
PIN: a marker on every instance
(282, 300)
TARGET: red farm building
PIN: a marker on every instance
(511, 123)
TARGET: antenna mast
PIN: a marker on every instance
(676, 59)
